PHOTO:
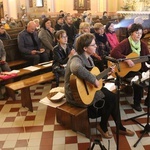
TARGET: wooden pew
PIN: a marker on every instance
(21, 63)
(13, 55)
(24, 85)
(122, 33)
(14, 36)
(104, 22)
(14, 30)
(9, 42)
(23, 72)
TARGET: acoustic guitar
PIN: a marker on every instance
(83, 91)
(125, 69)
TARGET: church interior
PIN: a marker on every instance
(28, 119)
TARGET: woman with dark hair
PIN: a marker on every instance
(133, 44)
(111, 35)
(80, 65)
(46, 36)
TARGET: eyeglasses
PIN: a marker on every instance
(93, 44)
(64, 37)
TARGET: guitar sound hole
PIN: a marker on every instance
(99, 104)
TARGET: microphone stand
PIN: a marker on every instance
(117, 83)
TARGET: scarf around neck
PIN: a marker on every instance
(136, 47)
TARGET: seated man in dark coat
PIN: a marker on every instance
(70, 29)
(30, 46)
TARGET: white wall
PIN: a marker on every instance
(12, 6)
(6, 7)
(51, 6)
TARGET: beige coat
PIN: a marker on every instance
(46, 39)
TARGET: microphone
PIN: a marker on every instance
(111, 59)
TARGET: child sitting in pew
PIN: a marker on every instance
(61, 53)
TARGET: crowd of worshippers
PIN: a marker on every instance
(37, 44)
(77, 46)
(41, 42)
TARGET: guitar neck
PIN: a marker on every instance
(103, 73)
(141, 59)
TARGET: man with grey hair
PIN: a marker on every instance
(138, 20)
(30, 46)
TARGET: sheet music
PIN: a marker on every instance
(110, 86)
(15, 71)
(44, 63)
(57, 89)
(57, 96)
(145, 76)
(47, 65)
(135, 79)
(47, 102)
(31, 68)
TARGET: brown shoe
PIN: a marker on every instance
(104, 134)
(127, 132)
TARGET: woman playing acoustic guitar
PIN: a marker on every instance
(129, 46)
(80, 65)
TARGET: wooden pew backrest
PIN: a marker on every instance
(13, 55)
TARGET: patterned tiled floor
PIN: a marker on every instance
(38, 130)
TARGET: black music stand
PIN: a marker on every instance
(97, 142)
(117, 84)
(147, 126)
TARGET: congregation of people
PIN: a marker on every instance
(76, 45)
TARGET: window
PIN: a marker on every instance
(39, 3)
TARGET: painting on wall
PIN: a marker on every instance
(82, 5)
